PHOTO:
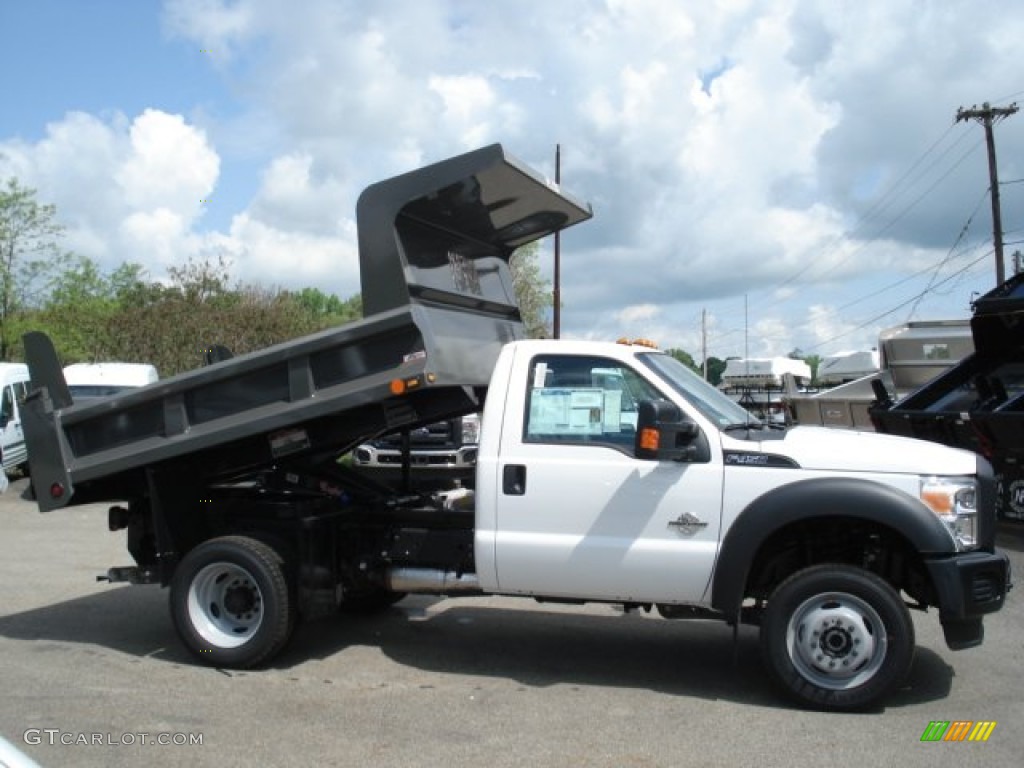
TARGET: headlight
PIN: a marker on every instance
(955, 501)
(470, 429)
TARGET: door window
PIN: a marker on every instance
(6, 406)
(584, 400)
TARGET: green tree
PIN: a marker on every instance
(533, 291)
(77, 312)
(328, 308)
(204, 281)
(172, 326)
(29, 252)
(715, 369)
(813, 361)
(685, 358)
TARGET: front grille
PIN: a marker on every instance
(434, 459)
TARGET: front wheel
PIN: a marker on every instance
(230, 602)
(836, 637)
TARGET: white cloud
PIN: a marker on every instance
(730, 149)
(159, 233)
(125, 190)
(169, 165)
(830, 330)
(294, 234)
(289, 258)
(219, 26)
(637, 313)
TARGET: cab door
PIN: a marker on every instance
(577, 514)
(12, 440)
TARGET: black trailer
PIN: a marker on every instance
(979, 403)
(226, 477)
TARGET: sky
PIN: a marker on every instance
(765, 176)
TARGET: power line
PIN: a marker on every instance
(948, 255)
(876, 210)
(900, 306)
(871, 211)
(1010, 96)
(902, 213)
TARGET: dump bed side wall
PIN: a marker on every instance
(435, 245)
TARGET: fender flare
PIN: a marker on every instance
(814, 499)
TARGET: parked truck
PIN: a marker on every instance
(977, 404)
(910, 355)
(606, 472)
(439, 455)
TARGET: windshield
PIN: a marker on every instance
(84, 391)
(704, 397)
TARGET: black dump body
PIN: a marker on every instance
(979, 403)
(434, 246)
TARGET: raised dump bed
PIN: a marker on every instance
(911, 355)
(434, 246)
(979, 403)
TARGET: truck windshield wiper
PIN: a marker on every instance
(751, 425)
(742, 425)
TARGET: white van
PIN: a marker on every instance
(87, 380)
(14, 381)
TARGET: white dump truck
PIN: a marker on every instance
(606, 471)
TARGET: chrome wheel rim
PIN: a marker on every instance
(836, 640)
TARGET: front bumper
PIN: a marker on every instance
(968, 586)
(371, 456)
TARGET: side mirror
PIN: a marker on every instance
(664, 433)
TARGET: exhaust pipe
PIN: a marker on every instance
(431, 581)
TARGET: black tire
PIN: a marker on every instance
(836, 638)
(370, 602)
(230, 602)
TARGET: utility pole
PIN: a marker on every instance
(987, 115)
(556, 295)
(704, 343)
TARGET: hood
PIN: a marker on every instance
(825, 448)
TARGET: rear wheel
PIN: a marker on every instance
(230, 602)
(836, 637)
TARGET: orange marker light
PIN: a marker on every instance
(939, 501)
(650, 439)
(636, 342)
(397, 386)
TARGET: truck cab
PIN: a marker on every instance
(14, 385)
(89, 380)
